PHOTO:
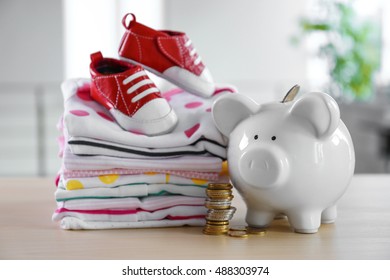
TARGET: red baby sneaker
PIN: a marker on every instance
(131, 97)
(168, 54)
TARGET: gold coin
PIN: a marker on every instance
(238, 228)
(256, 231)
(215, 230)
(220, 197)
(218, 190)
(217, 223)
(207, 231)
(213, 233)
(217, 207)
(238, 233)
(218, 193)
(219, 186)
(228, 199)
(216, 226)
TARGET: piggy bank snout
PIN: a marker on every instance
(263, 167)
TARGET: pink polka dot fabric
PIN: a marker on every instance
(79, 113)
(189, 132)
(192, 105)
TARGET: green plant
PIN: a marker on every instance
(352, 48)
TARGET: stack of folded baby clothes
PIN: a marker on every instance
(113, 178)
(133, 157)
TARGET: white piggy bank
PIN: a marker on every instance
(294, 158)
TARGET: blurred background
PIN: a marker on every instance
(261, 47)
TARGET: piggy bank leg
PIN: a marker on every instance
(305, 221)
(329, 215)
(258, 218)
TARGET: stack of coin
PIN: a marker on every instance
(220, 211)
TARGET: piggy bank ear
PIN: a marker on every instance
(320, 110)
(229, 110)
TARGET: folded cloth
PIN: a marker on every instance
(91, 129)
(89, 146)
(114, 180)
(68, 174)
(138, 190)
(148, 203)
(124, 215)
(184, 163)
(76, 223)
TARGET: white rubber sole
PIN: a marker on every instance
(183, 79)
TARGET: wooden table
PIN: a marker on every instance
(362, 231)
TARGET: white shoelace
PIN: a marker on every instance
(141, 83)
(193, 52)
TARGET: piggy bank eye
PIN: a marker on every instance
(256, 137)
(273, 138)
